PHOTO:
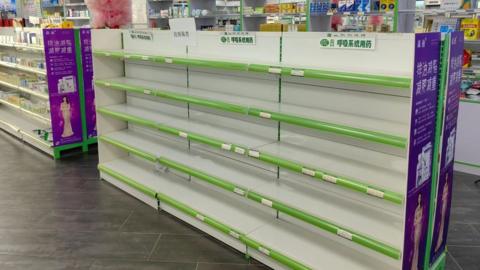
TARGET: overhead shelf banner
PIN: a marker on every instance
(445, 179)
(62, 80)
(422, 138)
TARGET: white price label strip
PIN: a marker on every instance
(240, 150)
(147, 92)
(200, 217)
(254, 154)
(168, 60)
(127, 56)
(264, 251)
(296, 72)
(375, 193)
(183, 134)
(108, 84)
(344, 234)
(329, 178)
(239, 191)
(107, 54)
(146, 58)
(265, 115)
(227, 147)
(267, 202)
(274, 70)
(235, 234)
(308, 172)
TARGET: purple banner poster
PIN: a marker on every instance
(445, 179)
(87, 61)
(422, 136)
(63, 86)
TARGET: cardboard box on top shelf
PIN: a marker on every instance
(279, 27)
(272, 27)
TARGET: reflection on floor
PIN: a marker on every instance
(58, 215)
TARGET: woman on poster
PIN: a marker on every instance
(443, 214)
(417, 233)
(67, 118)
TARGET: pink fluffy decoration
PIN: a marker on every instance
(337, 20)
(376, 20)
(110, 13)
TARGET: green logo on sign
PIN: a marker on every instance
(324, 42)
(224, 39)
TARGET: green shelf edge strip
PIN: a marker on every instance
(219, 226)
(466, 100)
(317, 174)
(367, 135)
(376, 80)
(244, 192)
(468, 164)
(372, 136)
(444, 54)
(142, 188)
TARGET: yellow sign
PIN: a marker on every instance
(387, 5)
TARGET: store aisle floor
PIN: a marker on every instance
(58, 215)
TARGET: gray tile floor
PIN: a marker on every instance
(57, 215)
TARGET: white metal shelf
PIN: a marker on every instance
(374, 168)
(25, 90)
(351, 120)
(306, 246)
(75, 4)
(23, 128)
(23, 68)
(207, 129)
(77, 18)
(369, 166)
(23, 47)
(40, 118)
(313, 250)
(372, 222)
(233, 212)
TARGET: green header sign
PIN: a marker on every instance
(348, 43)
(237, 38)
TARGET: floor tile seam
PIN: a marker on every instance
(475, 228)
(153, 260)
(41, 230)
(463, 246)
(455, 261)
(155, 245)
(125, 221)
(463, 223)
(42, 218)
(23, 256)
(135, 258)
(90, 211)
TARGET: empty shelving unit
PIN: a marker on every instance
(293, 152)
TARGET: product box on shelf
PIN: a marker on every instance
(363, 5)
(471, 28)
